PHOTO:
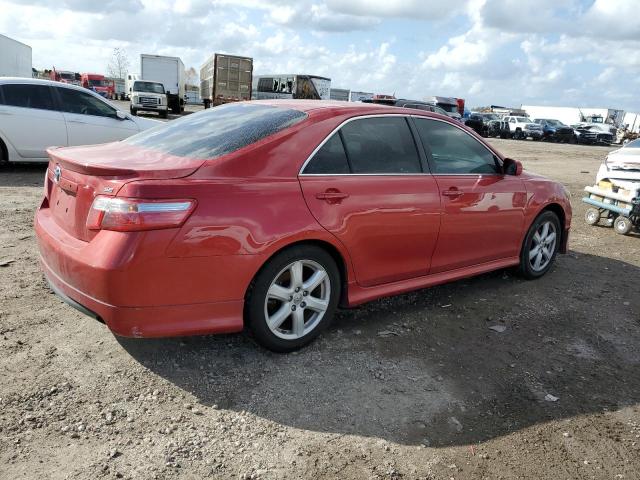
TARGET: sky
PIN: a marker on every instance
(583, 53)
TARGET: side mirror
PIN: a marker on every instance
(120, 115)
(512, 167)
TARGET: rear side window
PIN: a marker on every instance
(217, 131)
(330, 159)
(27, 96)
(82, 103)
(454, 151)
(381, 145)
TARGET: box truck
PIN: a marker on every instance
(225, 78)
(15, 58)
(169, 71)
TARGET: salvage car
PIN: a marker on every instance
(36, 114)
(270, 214)
(555, 130)
(591, 134)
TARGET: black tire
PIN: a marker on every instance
(257, 304)
(133, 111)
(622, 225)
(164, 113)
(527, 270)
(592, 216)
(4, 154)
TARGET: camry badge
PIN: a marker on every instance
(107, 189)
(56, 173)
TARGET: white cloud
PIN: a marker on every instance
(412, 9)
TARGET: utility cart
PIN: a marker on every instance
(617, 203)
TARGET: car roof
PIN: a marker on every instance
(313, 107)
(51, 83)
(38, 81)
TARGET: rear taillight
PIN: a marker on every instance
(133, 214)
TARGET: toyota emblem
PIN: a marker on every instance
(56, 173)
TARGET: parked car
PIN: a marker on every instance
(148, 97)
(555, 130)
(523, 128)
(476, 122)
(404, 103)
(36, 114)
(270, 214)
(591, 134)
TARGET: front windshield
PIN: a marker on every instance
(522, 120)
(149, 87)
(67, 75)
(555, 123)
(633, 144)
(491, 116)
(98, 83)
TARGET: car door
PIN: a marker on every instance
(483, 209)
(366, 185)
(91, 120)
(29, 121)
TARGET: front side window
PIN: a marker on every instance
(329, 159)
(217, 131)
(27, 96)
(453, 151)
(74, 101)
(381, 145)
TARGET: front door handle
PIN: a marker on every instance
(452, 193)
(332, 195)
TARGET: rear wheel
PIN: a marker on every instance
(540, 245)
(622, 225)
(592, 216)
(293, 298)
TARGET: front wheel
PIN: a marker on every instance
(592, 216)
(540, 245)
(293, 298)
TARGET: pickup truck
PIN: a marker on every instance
(523, 128)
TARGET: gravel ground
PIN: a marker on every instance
(417, 386)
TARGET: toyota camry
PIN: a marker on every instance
(269, 215)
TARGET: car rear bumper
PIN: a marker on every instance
(160, 321)
(143, 297)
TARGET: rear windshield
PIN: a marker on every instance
(217, 131)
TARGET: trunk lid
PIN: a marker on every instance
(77, 174)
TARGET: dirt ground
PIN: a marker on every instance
(416, 386)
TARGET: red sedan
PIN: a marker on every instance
(270, 214)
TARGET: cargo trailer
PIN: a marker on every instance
(225, 78)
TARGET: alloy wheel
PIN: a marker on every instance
(543, 246)
(297, 299)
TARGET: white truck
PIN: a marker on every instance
(169, 71)
(148, 97)
(15, 58)
(523, 127)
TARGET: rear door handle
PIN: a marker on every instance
(4, 112)
(452, 193)
(332, 195)
(77, 121)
